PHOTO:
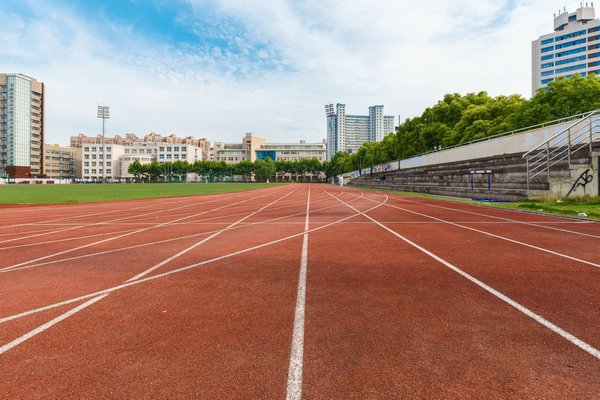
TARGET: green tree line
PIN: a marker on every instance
(457, 119)
(216, 171)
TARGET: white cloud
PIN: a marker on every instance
(290, 59)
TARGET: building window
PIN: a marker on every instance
(108, 164)
(566, 53)
(169, 149)
(161, 156)
(86, 149)
(168, 156)
(569, 36)
(175, 148)
(161, 149)
(93, 149)
(572, 68)
(547, 49)
(86, 171)
(93, 163)
(569, 44)
(570, 60)
(548, 65)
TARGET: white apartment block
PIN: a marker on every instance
(349, 132)
(573, 47)
(114, 161)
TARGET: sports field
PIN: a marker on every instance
(297, 291)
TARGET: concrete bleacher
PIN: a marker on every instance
(508, 178)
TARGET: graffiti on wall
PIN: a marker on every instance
(582, 181)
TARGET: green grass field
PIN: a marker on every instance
(84, 193)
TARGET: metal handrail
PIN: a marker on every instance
(562, 145)
(590, 113)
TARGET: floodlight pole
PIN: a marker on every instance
(104, 113)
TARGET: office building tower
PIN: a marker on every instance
(573, 47)
(349, 132)
(21, 126)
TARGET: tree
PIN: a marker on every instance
(264, 169)
(136, 169)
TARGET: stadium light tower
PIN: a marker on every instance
(104, 113)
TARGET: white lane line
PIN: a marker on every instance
(119, 236)
(175, 271)
(49, 324)
(512, 220)
(60, 318)
(83, 215)
(91, 225)
(125, 218)
(556, 329)
(182, 252)
(294, 384)
(499, 237)
(164, 241)
(205, 221)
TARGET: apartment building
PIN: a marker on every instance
(573, 47)
(113, 163)
(21, 126)
(130, 139)
(348, 132)
(61, 162)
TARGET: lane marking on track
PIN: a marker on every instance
(79, 226)
(83, 215)
(294, 383)
(205, 221)
(60, 318)
(49, 324)
(178, 270)
(498, 237)
(16, 246)
(164, 241)
(182, 252)
(120, 236)
(512, 220)
(554, 328)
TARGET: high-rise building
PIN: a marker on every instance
(21, 126)
(573, 47)
(349, 132)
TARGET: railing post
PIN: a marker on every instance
(527, 174)
(569, 146)
(548, 159)
(591, 135)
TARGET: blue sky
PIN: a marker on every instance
(220, 68)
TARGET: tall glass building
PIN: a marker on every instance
(21, 126)
(573, 47)
(349, 132)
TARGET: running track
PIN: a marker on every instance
(297, 291)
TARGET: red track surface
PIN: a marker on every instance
(405, 298)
